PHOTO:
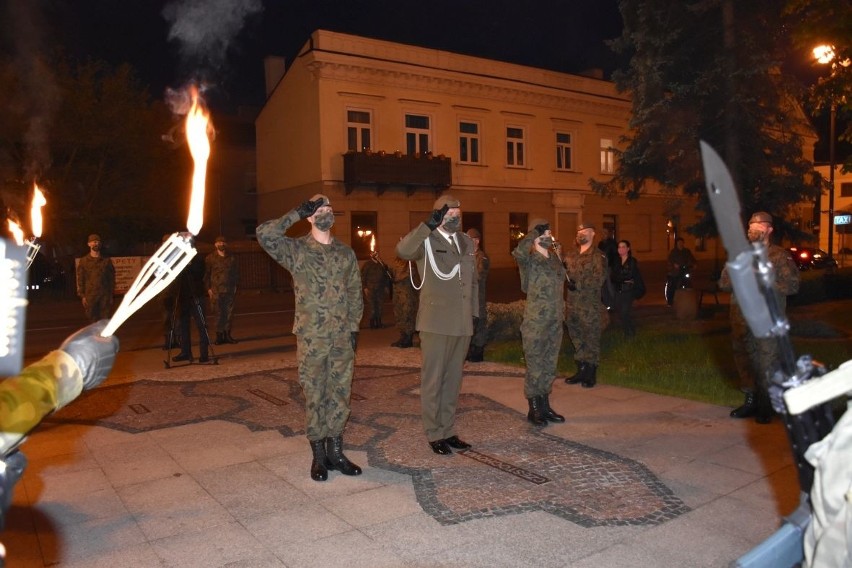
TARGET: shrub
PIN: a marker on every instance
(504, 320)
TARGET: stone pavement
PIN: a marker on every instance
(207, 465)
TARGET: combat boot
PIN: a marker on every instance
(334, 458)
(220, 337)
(319, 472)
(580, 375)
(407, 341)
(536, 413)
(748, 408)
(228, 337)
(548, 412)
(475, 354)
(591, 377)
(401, 341)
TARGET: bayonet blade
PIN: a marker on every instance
(724, 201)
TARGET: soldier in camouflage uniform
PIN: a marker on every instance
(82, 362)
(755, 358)
(587, 272)
(221, 276)
(543, 281)
(96, 281)
(329, 307)
(480, 327)
(404, 304)
(375, 279)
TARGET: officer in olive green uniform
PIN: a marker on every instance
(375, 279)
(480, 327)
(329, 305)
(587, 271)
(221, 276)
(756, 358)
(543, 281)
(96, 281)
(448, 303)
(82, 362)
(404, 303)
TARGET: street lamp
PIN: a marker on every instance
(825, 54)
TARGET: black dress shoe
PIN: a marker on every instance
(182, 357)
(456, 443)
(440, 447)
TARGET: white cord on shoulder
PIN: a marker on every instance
(431, 257)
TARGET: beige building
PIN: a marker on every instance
(842, 213)
(383, 128)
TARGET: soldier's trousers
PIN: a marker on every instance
(223, 307)
(376, 299)
(99, 307)
(326, 365)
(480, 328)
(440, 382)
(754, 357)
(585, 324)
(541, 353)
(404, 309)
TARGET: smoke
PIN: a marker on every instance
(39, 94)
(205, 29)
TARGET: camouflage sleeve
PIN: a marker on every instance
(271, 238)
(522, 252)
(600, 270)
(81, 278)
(411, 245)
(787, 274)
(42, 387)
(208, 265)
(353, 295)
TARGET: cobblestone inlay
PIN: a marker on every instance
(513, 468)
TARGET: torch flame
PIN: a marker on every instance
(17, 233)
(197, 125)
(35, 212)
(373, 243)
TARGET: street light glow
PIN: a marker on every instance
(824, 53)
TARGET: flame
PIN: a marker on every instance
(373, 243)
(197, 127)
(17, 233)
(35, 211)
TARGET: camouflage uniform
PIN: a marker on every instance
(221, 276)
(756, 357)
(329, 306)
(541, 329)
(584, 310)
(96, 285)
(404, 302)
(375, 279)
(480, 328)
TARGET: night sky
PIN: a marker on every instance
(562, 35)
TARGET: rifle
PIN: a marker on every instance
(808, 416)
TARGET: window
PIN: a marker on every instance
(563, 151)
(417, 133)
(469, 142)
(607, 156)
(517, 228)
(363, 237)
(610, 223)
(358, 130)
(473, 220)
(515, 146)
(846, 189)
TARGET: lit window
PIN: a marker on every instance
(563, 151)
(607, 156)
(363, 237)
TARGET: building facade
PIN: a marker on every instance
(383, 128)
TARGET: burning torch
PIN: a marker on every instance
(178, 250)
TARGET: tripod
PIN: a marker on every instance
(188, 306)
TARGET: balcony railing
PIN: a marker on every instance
(383, 171)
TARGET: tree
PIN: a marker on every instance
(708, 70)
(92, 139)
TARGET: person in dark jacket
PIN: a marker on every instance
(629, 286)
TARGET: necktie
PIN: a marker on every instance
(455, 244)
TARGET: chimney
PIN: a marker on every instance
(273, 68)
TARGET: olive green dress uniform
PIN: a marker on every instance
(754, 356)
(541, 330)
(329, 306)
(585, 313)
(96, 283)
(222, 275)
(445, 322)
(404, 299)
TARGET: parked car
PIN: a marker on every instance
(807, 258)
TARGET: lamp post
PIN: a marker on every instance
(824, 54)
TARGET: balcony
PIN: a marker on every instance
(383, 171)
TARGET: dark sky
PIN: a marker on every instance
(563, 35)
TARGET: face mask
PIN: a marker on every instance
(582, 239)
(452, 224)
(546, 242)
(324, 221)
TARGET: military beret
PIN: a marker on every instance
(448, 200)
(325, 199)
(94, 237)
(761, 217)
(585, 226)
(536, 222)
(474, 234)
